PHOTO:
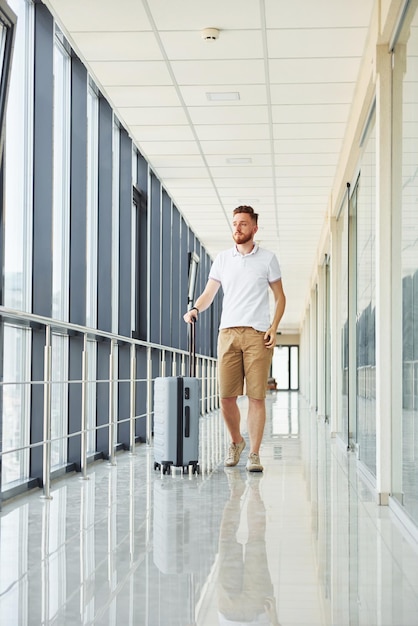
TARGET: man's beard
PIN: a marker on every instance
(240, 238)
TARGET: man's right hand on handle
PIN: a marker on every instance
(191, 316)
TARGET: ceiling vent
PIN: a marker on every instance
(210, 34)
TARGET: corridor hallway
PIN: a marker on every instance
(302, 544)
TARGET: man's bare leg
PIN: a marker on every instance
(232, 418)
(255, 423)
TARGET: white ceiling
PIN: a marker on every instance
(294, 66)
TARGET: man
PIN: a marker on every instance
(246, 336)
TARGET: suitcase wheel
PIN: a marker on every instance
(195, 468)
(166, 468)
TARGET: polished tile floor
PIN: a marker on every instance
(301, 544)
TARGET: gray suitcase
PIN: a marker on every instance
(176, 419)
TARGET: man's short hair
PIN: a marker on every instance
(247, 209)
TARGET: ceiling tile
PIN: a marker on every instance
(217, 72)
(314, 42)
(308, 70)
(131, 73)
(118, 46)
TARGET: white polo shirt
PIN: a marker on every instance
(245, 280)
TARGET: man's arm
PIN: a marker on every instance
(280, 300)
(204, 301)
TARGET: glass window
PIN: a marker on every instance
(365, 208)
(343, 226)
(91, 255)
(294, 368)
(60, 246)
(61, 182)
(115, 227)
(92, 206)
(7, 34)
(406, 458)
(16, 394)
(17, 167)
(59, 400)
(91, 395)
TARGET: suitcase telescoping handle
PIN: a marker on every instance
(192, 349)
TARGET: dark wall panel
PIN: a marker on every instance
(104, 295)
(42, 215)
(184, 269)
(43, 162)
(155, 262)
(125, 234)
(177, 321)
(167, 277)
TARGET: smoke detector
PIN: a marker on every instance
(210, 34)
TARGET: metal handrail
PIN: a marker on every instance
(29, 320)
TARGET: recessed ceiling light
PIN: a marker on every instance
(239, 160)
(222, 95)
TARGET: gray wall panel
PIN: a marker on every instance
(104, 296)
(167, 276)
(125, 234)
(155, 259)
(43, 162)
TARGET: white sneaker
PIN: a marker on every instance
(234, 453)
(253, 463)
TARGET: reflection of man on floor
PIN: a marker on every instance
(245, 590)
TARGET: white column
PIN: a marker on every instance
(383, 272)
(335, 364)
(320, 356)
(313, 351)
(399, 67)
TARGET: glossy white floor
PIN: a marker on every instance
(302, 544)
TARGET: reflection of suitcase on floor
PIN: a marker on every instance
(176, 419)
(175, 528)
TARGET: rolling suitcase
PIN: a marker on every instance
(176, 419)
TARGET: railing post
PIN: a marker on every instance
(111, 403)
(46, 469)
(84, 374)
(163, 363)
(132, 389)
(149, 396)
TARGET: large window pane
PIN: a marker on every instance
(17, 248)
(59, 400)
(60, 246)
(115, 227)
(366, 303)
(18, 165)
(343, 323)
(61, 184)
(409, 260)
(16, 393)
(92, 206)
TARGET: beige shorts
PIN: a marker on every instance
(242, 355)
